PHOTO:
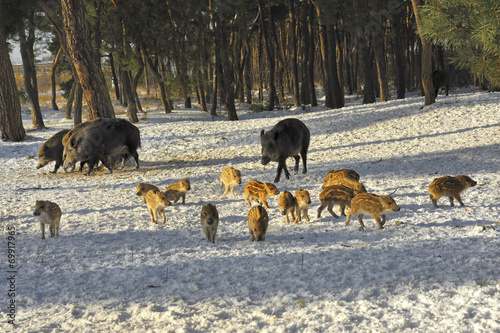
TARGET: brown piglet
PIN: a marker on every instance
(257, 223)
(229, 177)
(209, 221)
(303, 200)
(48, 212)
(257, 191)
(183, 186)
(287, 205)
(335, 195)
(157, 202)
(376, 206)
(143, 189)
(334, 175)
(450, 187)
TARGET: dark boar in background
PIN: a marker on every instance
(440, 79)
(288, 138)
(52, 150)
(102, 139)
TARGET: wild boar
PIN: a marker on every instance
(335, 195)
(209, 221)
(376, 206)
(450, 187)
(346, 181)
(287, 203)
(257, 223)
(440, 78)
(257, 191)
(143, 189)
(303, 200)
(101, 139)
(333, 175)
(178, 190)
(230, 177)
(48, 212)
(288, 138)
(52, 150)
(157, 202)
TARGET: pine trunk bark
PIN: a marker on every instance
(28, 56)
(11, 122)
(426, 73)
(53, 78)
(85, 61)
(295, 70)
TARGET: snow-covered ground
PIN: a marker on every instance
(111, 269)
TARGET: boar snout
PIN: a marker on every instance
(265, 160)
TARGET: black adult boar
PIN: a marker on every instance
(287, 138)
(102, 139)
(52, 150)
(440, 79)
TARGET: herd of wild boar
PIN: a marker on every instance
(111, 141)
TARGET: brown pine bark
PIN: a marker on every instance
(11, 123)
(85, 61)
(295, 70)
(53, 69)
(427, 86)
(27, 43)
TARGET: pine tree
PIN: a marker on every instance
(471, 29)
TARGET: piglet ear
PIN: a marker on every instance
(381, 201)
(261, 133)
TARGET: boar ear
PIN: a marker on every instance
(261, 133)
(276, 135)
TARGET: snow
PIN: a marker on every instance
(111, 269)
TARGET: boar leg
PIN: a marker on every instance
(42, 229)
(457, 196)
(281, 166)
(348, 219)
(264, 202)
(303, 153)
(252, 236)
(58, 164)
(330, 209)
(135, 155)
(320, 209)
(434, 201)
(297, 160)
(90, 164)
(377, 219)
(360, 220)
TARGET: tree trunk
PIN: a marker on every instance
(369, 91)
(270, 56)
(381, 63)
(53, 78)
(114, 77)
(28, 57)
(11, 122)
(71, 98)
(86, 63)
(310, 58)
(338, 94)
(78, 104)
(161, 85)
(398, 50)
(427, 86)
(293, 46)
(131, 105)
